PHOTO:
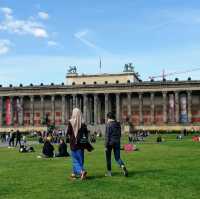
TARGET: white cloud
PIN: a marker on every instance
(43, 15)
(4, 46)
(52, 43)
(81, 36)
(39, 32)
(22, 27)
(6, 11)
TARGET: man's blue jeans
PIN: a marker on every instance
(116, 149)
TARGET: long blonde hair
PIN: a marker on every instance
(76, 120)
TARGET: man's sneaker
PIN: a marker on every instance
(108, 174)
(125, 172)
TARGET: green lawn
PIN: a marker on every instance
(157, 171)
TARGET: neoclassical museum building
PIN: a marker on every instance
(148, 104)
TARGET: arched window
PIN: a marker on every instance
(117, 82)
(73, 83)
(106, 82)
(95, 82)
(84, 83)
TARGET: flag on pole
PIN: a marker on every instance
(100, 64)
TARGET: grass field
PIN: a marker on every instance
(165, 171)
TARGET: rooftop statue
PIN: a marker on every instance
(72, 69)
(128, 67)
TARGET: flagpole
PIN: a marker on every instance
(100, 64)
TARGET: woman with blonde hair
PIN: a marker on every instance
(78, 139)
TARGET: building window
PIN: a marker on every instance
(117, 82)
(84, 83)
(73, 83)
(95, 82)
(106, 82)
(128, 81)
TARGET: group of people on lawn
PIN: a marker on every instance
(78, 139)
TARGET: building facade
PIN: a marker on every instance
(151, 105)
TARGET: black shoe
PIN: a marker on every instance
(125, 171)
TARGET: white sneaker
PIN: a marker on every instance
(108, 174)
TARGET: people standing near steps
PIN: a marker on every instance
(112, 142)
(12, 139)
(78, 139)
(18, 138)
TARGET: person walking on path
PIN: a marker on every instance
(112, 142)
(78, 139)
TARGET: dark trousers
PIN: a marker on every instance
(11, 142)
(18, 141)
(116, 149)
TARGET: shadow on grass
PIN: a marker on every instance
(144, 172)
(132, 173)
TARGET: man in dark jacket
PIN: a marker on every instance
(112, 142)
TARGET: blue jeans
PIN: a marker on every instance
(77, 161)
(116, 149)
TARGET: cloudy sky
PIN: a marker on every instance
(39, 39)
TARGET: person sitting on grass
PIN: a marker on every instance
(48, 149)
(112, 142)
(62, 149)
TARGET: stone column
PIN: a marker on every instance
(164, 107)
(63, 110)
(42, 116)
(85, 107)
(118, 107)
(152, 108)
(53, 109)
(21, 115)
(74, 100)
(189, 99)
(106, 106)
(67, 108)
(31, 110)
(95, 109)
(129, 104)
(177, 113)
(11, 111)
(140, 108)
(1, 111)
